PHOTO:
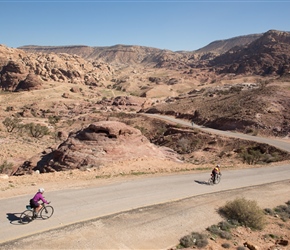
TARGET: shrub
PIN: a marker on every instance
(226, 245)
(142, 129)
(53, 120)
(214, 229)
(269, 211)
(249, 130)
(283, 211)
(11, 123)
(225, 226)
(5, 167)
(194, 239)
(9, 108)
(222, 230)
(246, 212)
(251, 156)
(184, 145)
(235, 223)
(37, 130)
(258, 154)
(225, 235)
(70, 122)
(272, 236)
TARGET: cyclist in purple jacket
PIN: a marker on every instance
(38, 197)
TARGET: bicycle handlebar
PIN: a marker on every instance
(43, 203)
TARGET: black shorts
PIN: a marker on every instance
(33, 203)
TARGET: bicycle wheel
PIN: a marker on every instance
(218, 179)
(26, 216)
(46, 212)
(210, 181)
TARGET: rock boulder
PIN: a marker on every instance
(99, 143)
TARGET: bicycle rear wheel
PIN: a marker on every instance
(26, 216)
(210, 181)
(46, 212)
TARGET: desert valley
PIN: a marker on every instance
(73, 113)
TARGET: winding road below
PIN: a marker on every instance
(147, 213)
(278, 143)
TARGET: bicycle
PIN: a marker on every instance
(217, 180)
(29, 214)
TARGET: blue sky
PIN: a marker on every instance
(174, 25)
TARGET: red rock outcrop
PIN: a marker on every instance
(99, 143)
(31, 82)
(18, 67)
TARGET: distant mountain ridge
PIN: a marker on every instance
(130, 54)
(222, 46)
(266, 54)
(118, 54)
(218, 46)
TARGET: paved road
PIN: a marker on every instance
(75, 205)
(279, 143)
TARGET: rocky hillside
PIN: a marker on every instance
(257, 54)
(26, 71)
(96, 145)
(118, 66)
(247, 107)
(267, 55)
(115, 55)
(66, 89)
(128, 54)
(222, 46)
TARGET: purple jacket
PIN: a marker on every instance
(39, 197)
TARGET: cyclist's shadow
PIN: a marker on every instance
(14, 218)
(202, 182)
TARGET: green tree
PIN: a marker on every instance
(11, 124)
(37, 130)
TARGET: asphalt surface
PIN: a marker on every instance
(76, 205)
(276, 142)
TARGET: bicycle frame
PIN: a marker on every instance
(33, 208)
(30, 214)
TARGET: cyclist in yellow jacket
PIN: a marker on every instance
(216, 171)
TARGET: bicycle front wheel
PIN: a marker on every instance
(218, 179)
(26, 217)
(46, 212)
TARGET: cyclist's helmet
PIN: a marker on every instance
(41, 190)
(218, 165)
